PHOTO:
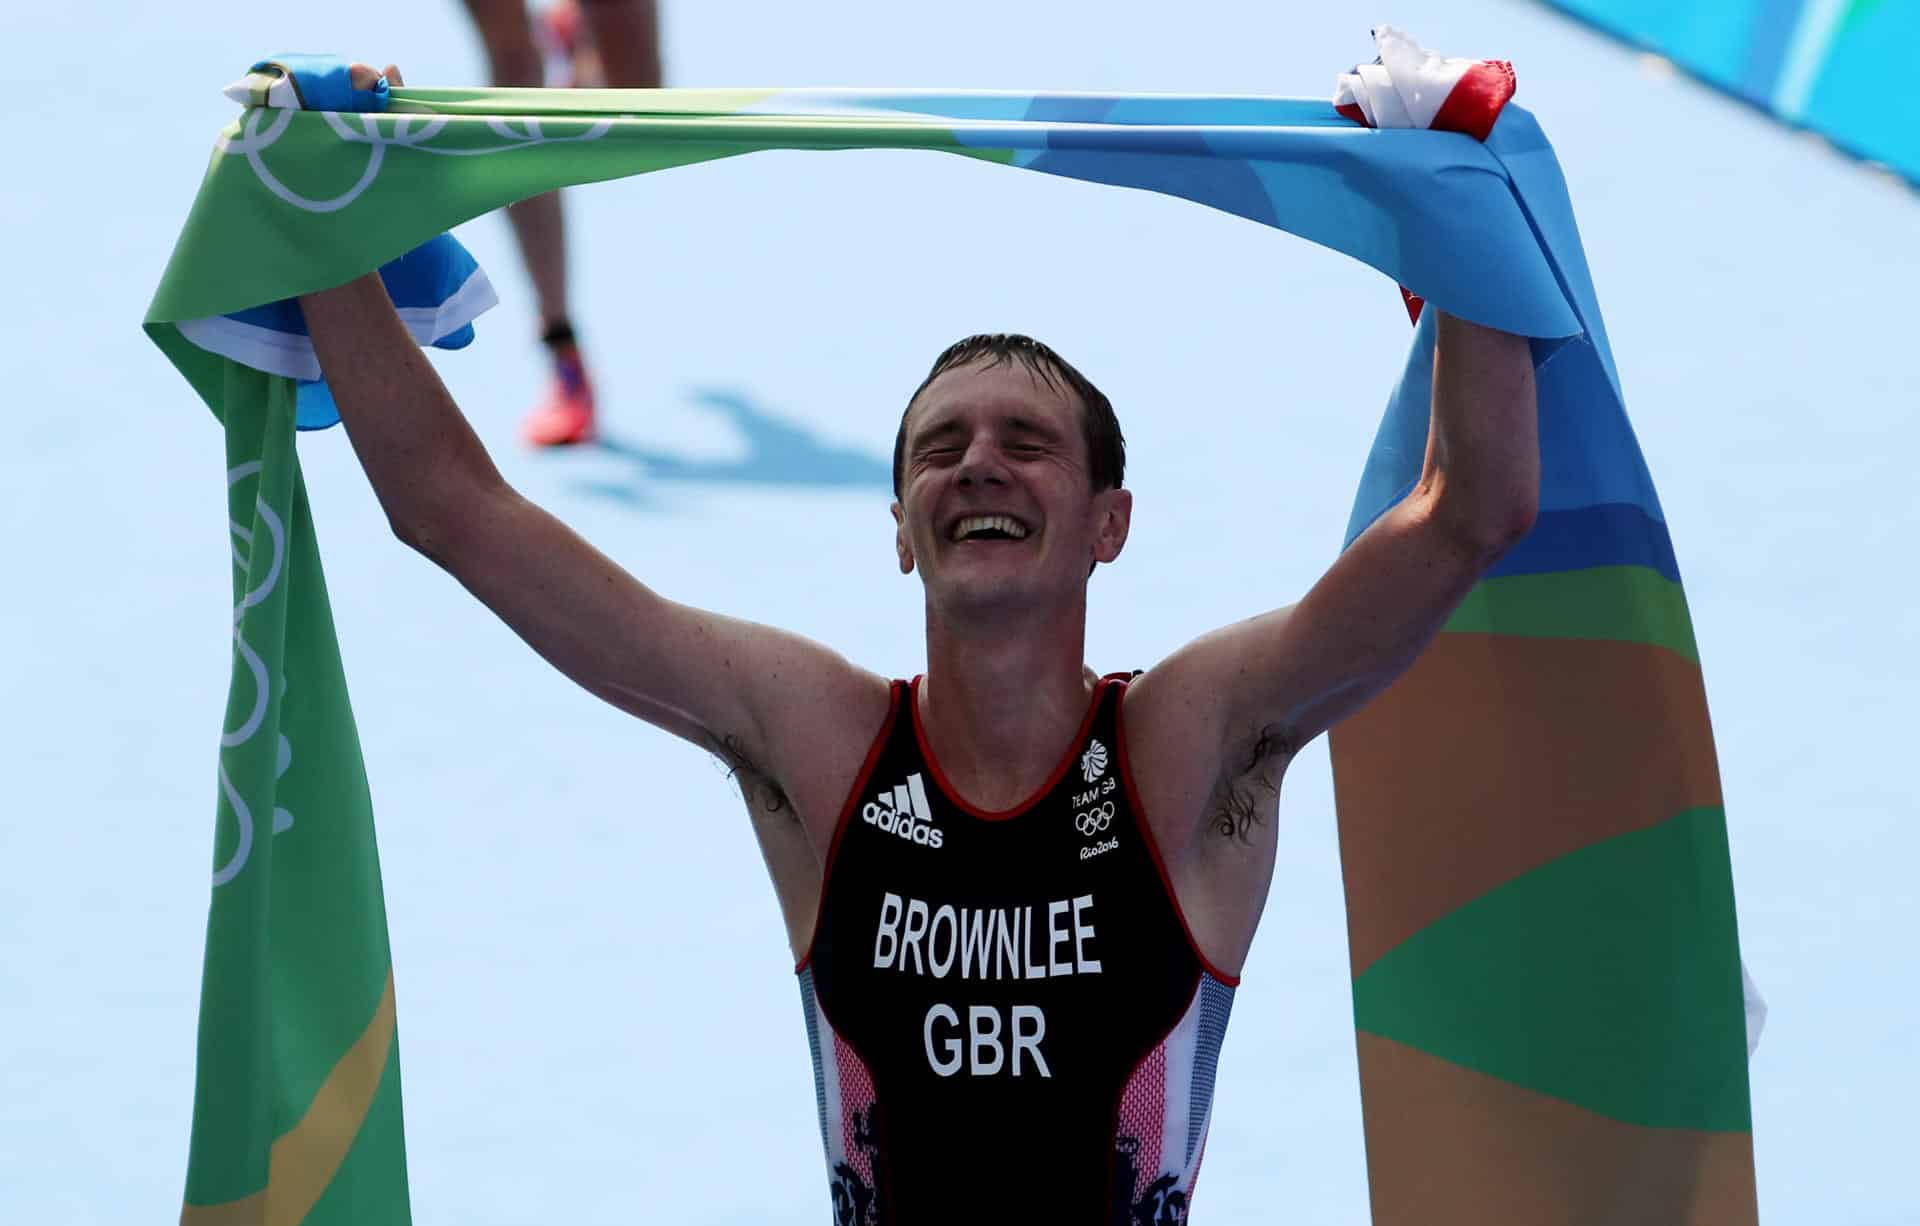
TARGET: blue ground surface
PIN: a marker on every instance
(597, 1016)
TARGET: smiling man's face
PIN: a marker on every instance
(996, 507)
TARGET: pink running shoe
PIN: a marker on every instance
(565, 417)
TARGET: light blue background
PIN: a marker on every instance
(597, 1017)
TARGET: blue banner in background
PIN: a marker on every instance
(1838, 67)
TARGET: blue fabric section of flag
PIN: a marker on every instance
(420, 283)
(1192, 173)
(1153, 110)
(1227, 112)
(1400, 443)
(1762, 52)
(1070, 108)
(1540, 190)
(1714, 32)
(423, 278)
(1612, 534)
(1432, 210)
(1588, 453)
(1767, 41)
(281, 316)
(313, 406)
(1857, 99)
(325, 82)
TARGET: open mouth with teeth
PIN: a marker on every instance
(988, 528)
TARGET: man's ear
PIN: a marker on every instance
(901, 545)
(1115, 511)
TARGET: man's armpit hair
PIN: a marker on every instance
(1241, 799)
(755, 784)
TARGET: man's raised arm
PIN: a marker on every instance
(1274, 682)
(754, 694)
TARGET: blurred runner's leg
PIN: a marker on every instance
(600, 42)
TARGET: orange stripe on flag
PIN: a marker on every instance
(1495, 754)
(306, 1157)
(1447, 1146)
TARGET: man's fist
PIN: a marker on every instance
(365, 76)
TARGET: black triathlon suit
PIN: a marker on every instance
(1009, 1020)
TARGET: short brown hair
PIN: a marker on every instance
(1106, 446)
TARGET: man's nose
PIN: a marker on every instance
(982, 463)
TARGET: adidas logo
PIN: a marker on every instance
(904, 811)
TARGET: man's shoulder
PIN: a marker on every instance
(821, 732)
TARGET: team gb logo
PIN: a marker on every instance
(1093, 763)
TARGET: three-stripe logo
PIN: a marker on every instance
(903, 811)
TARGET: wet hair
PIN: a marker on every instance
(1106, 446)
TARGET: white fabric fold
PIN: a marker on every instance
(291, 353)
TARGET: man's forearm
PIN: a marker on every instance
(419, 453)
(1483, 447)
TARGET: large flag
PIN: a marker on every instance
(1597, 943)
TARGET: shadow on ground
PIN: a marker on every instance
(780, 452)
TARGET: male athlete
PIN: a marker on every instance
(1019, 893)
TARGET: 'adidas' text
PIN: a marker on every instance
(904, 811)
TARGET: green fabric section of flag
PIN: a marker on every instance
(297, 960)
(633, 103)
(1579, 981)
(360, 190)
(1627, 603)
(206, 372)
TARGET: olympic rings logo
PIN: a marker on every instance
(1096, 819)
